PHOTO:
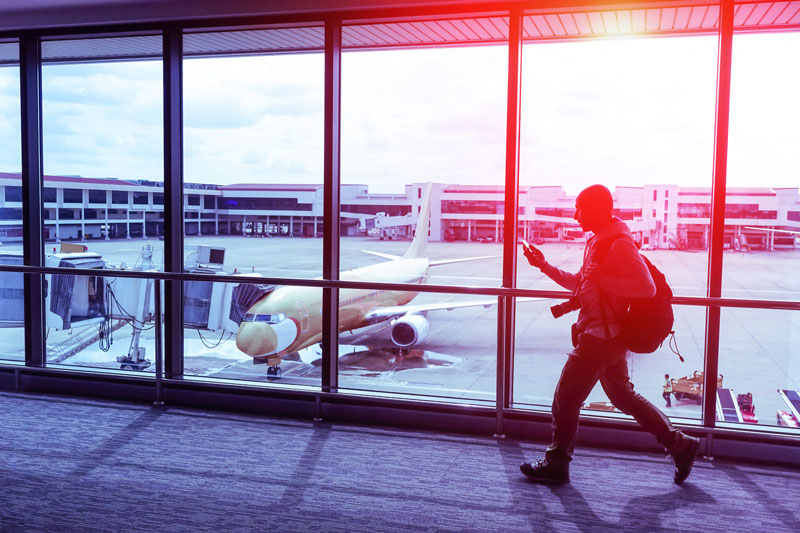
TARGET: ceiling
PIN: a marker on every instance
(539, 24)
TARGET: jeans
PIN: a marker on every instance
(596, 359)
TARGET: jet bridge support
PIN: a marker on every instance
(131, 299)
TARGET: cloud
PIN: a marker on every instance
(629, 111)
(232, 93)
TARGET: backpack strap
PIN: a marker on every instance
(600, 252)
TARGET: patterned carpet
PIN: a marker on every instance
(70, 464)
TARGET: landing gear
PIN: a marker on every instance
(274, 372)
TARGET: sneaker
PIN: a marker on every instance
(683, 453)
(545, 471)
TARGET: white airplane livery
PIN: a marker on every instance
(289, 319)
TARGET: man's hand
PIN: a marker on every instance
(534, 256)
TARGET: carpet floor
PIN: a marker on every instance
(74, 464)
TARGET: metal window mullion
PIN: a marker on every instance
(173, 199)
(330, 246)
(32, 176)
(506, 305)
(718, 210)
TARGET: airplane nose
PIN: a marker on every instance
(256, 339)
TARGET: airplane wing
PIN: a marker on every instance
(432, 263)
(773, 230)
(380, 314)
(460, 260)
(381, 254)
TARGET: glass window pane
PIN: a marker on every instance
(97, 321)
(431, 344)
(73, 196)
(101, 119)
(102, 125)
(253, 126)
(12, 310)
(119, 197)
(542, 344)
(423, 137)
(13, 193)
(762, 206)
(12, 333)
(252, 332)
(253, 201)
(413, 116)
(760, 364)
(645, 132)
(97, 197)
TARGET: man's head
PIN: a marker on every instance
(593, 208)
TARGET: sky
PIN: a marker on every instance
(622, 111)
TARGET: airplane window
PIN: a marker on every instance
(249, 317)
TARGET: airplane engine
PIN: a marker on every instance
(409, 330)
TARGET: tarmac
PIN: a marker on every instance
(759, 349)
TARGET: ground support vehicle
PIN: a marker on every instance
(691, 387)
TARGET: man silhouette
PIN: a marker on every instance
(612, 273)
(667, 390)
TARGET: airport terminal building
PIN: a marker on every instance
(660, 216)
(220, 309)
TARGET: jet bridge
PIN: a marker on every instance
(75, 301)
(83, 301)
(214, 306)
(220, 306)
(12, 293)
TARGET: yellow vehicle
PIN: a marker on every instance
(601, 406)
(691, 387)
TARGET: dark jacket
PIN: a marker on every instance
(621, 275)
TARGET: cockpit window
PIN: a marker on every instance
(267, 318)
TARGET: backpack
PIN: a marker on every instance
(648, 321)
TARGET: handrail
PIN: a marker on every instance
(700, 301)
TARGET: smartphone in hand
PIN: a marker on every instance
(535, 253)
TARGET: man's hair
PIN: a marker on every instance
(596, 197)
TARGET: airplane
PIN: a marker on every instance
(289, 319)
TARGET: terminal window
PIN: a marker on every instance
(13, 194)
(97, 197)
(73, 196)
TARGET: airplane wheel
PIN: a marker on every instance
(274, 372)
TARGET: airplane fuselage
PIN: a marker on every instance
(290, 318)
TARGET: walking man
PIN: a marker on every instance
(612, 273)
(667, 390)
